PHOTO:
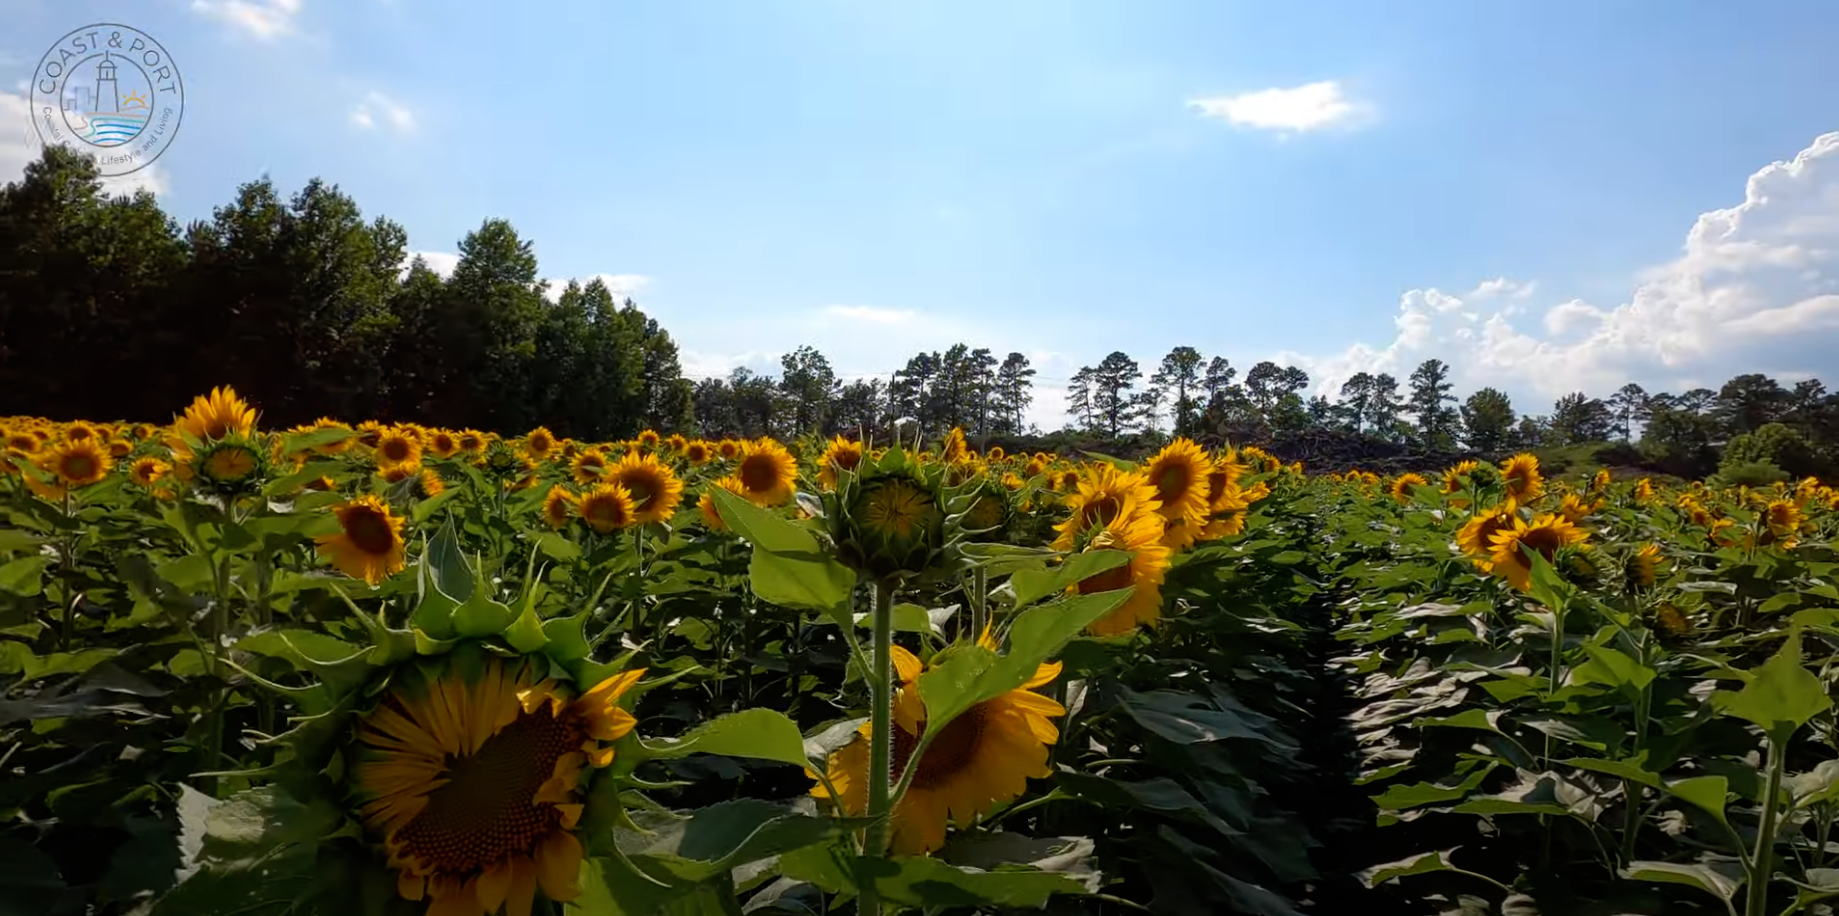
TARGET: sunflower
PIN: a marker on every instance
(369, 543)
(120, 448)
(22, 441)
(1524, 482)
(428, 484)
(80, 431)
(397, 473)
(711, 513)
(229, 463)
(1599, 482)
(336, 446)
(1574, 509)
(1644, 490)
(1644, 566)
(588, 467)
(397, 446)
(840, 455)
(655, 489)
(1671, 621)
(895, 508)
(1782, 517)
(729, 449)
(1141, 535)
(148, 471)
(1476, 538)
(1229, 510)
(217, 415)
(557, 506)
(648, 439)
(1066, 481)
(675, 442)
(1012, 481)
(1402, 486)
(471, 441)
(539, 442)
(953, 449)
(1180, 474)
(698, 452)
(76, 462)
(1034, 468)
(979, 760)
(768, 472)
(1105, 495)
(472, 782)
(1543, 535)
(607, 507)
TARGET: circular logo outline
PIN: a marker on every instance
(83, 48)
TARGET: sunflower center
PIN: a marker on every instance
(1544, 541)
(1101, 511)
(1110, 580)
(758, 474)
(951, 752)
(369, 531)
(1172, 483)
(640, 487)
(77, 466)
(604, 511)
(486, 813)
(396, 450)
(894, 508)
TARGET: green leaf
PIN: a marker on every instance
(447, 566)
(762, 734)
(304, 647)
(788, 567)
(300, 442)
(25, 575)
(1031, 585)
(1720, 880)
(926, 882)
(973, 674)
(714, 840)
(557, 547)
(1780, 696)
(1487, 720)
(1626, 769)
(12, 539)
(525, 634)
(1613, 668)
(567, 637)
(1421, 864)
(1704, 792)
(481, 615)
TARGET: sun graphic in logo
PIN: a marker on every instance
(133, 100)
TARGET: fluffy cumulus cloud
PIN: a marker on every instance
(263, 19)
(1755, 288)
(1311, 106)
(20, 146)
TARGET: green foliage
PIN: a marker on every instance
(1747, 474)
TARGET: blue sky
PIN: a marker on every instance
(1511, 187)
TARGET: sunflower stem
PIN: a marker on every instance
(979, 596)
(881, 735)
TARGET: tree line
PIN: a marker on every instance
(110, 309)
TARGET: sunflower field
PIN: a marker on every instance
(382, 668)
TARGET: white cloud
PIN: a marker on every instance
(1311, 106)
(377, 108)
(264, 19)
(20, 146)
(869, 314)
(1755, 289)
(441, 262)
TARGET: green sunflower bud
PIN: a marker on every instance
(887, 521)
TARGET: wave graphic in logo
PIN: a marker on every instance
(112, 129)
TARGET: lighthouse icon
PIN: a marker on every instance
(112, 118)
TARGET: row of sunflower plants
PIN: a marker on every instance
(383, 668)
(1605, 697)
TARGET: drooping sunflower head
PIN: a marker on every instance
(654, 488)
(216, 415)
(1575, 508)
(76, 462)
(1182, 477)
(1105, 495)
(471, 773)
(839, 456)
(954, 449)
(1404, 485)
(1141, 535)
(995, 453)
(980, 759)
(1599, 482)
(1644, 566)
(368, 544)
(768, 472)
(1644, 490)
(1545, 535)
(607, 507)
(428, 484)
(1522, 478)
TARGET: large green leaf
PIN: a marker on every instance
(762, 734)
(973, 674)
(926, 882)
(1717, 878)
(788, 567)
(25, 575)
(1420, 864)
(1780, 696)
(1031, 585)
(714, 840)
